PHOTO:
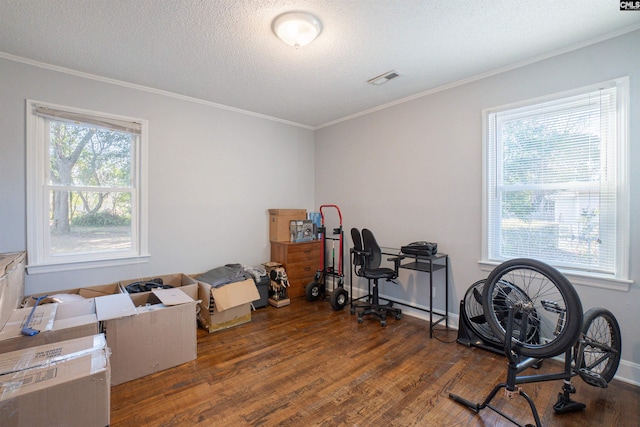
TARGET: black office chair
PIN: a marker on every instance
(367, 257)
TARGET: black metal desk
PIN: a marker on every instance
(426, 264)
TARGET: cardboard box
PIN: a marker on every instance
(279, 223)
(62, 384)
(50, 353)
(64, 315)
(74, 302)
(158, 337)
(187, 284)
(226, 306)
(12, 267)
(51, 329)
(159, 334)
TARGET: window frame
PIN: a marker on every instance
(620, 279)
(37, 142)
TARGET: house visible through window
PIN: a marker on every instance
(555, 181)
(85, 178)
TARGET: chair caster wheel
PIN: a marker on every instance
(398, 316)
(359, 319)
(383, 323)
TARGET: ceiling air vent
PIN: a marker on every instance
(383, 78)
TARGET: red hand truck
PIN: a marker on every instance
(317, 288)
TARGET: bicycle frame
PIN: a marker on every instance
(513, 380)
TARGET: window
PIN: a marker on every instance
(85, 180)
(555, 182)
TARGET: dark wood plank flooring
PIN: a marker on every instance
(306, 365)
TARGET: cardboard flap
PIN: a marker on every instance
(114, 307)
(69, 310)
(235, 294)
(173, 296)
(72, 322)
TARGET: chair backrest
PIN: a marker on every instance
(371, 246)
(358, 258)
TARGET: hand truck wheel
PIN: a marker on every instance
(339, 298)
(312, 291)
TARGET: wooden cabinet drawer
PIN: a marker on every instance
(296, 270)
(307, 256)
(304, 248)
(300, 260)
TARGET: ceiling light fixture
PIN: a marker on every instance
(296, 28)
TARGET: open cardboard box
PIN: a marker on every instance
(187, 284)
(73, 316)
(226, 306)
(74, 302)
(51, 329)
(65, 383)
(161, 335)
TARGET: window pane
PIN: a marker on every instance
(562, 226)
(551, 181)
(85, 156)
(87, 222)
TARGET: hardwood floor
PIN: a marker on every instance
(306, 365)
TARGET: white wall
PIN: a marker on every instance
(408, 172)
(414, 172)
(213, 174)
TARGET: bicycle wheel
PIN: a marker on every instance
(547, 312)
(474, 317)
(600, 344)
(473, 314)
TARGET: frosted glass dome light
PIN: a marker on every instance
(297, 28)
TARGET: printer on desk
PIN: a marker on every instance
(421, 248)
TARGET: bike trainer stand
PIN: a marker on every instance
(564, 404)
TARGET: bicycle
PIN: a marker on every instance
(547, 307)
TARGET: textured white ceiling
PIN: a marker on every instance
(223, 51)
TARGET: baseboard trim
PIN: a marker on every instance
(628, 372)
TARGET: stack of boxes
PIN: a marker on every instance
(88, 340)
(283, 224)
(64, 366)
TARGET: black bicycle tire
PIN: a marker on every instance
(569, 334)
(613, 361)
(483, 331)
(487, 336)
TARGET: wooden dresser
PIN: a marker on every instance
(301, 262)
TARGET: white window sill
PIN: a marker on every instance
(81, 265)
(584, 279)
